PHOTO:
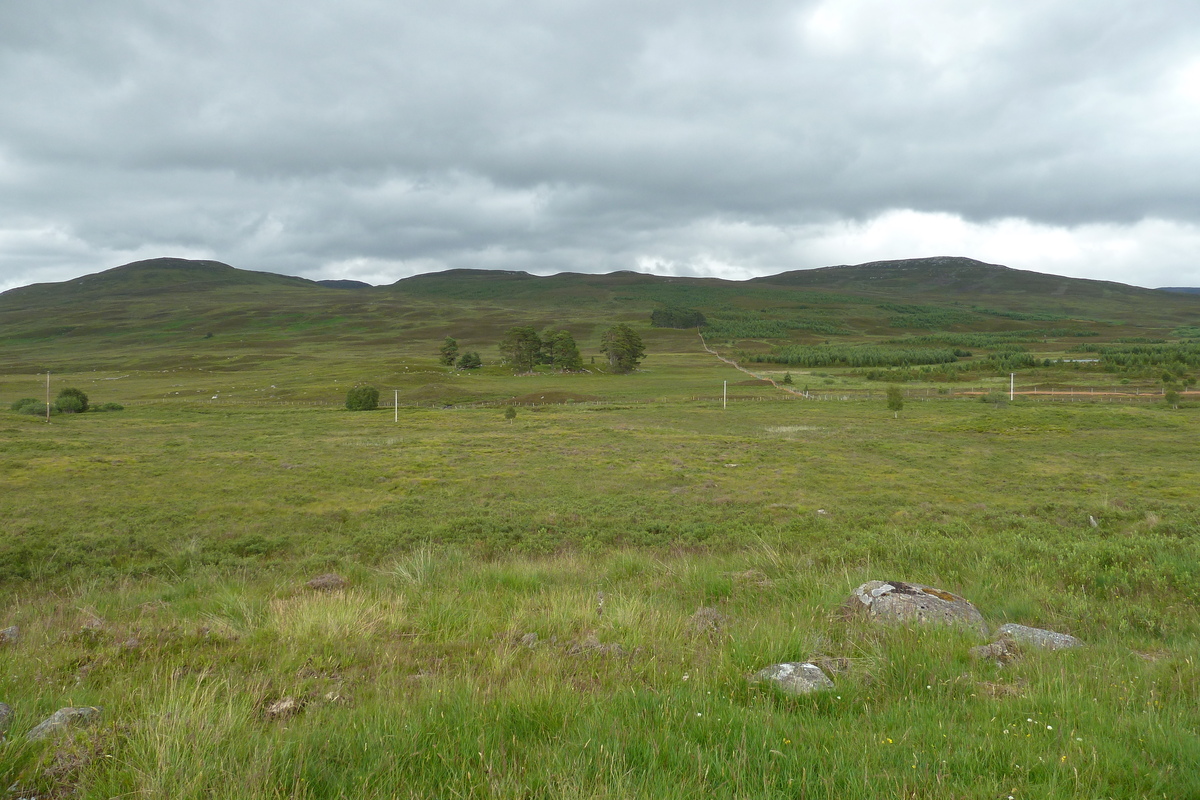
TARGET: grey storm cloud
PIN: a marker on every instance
(376, 140)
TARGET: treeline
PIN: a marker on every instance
(933, 317)
(1139, 356)
(676, 317)
(729, 325)
(991, 339)
(854, 356)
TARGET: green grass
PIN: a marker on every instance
(155, 558)
(461, 533)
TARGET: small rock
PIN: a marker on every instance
(1037, 637)
(281, 709)
(592, 645)
(895, 601)
(1002, 651)
(62, 719)
(794, 678)
(530, 640)
(6, 716)
(706, 620)
(1092, 521)
(10, 635)
(328, 582)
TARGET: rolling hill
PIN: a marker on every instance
(162, 311)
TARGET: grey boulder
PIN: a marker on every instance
(794, 678)
(1037, 637)
(904, 603)
(6, 716)
(62, 719)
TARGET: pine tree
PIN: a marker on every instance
(448, 352)
(623, 347)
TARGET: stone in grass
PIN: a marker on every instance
(894, 601)
(10, 635)
(328, 582)
(5, 719)
(62, 719)
(1001, 651)
(794, 678)
(284, 708)
(1038, 637)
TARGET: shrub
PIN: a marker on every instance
(28, 405)
(470, 360)
(109, 407)
(510, 413)
(69, 405)
(362, 398)
(71, 401)
(895, 399)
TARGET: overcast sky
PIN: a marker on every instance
(375, 140)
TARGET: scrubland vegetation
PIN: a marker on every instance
(567, 602)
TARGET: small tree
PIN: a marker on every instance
(510, 414)
(470, 360)
(895, 400)
(71, 401)
(787, 379)
(623, 347)
(448, 352)
(362, 398)
(1171, 397)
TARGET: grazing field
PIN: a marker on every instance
(658, 549)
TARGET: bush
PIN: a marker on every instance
(109, 407)
(70, 405)
(362, 398)
(470, 360)
(28, 405)
(71, 401)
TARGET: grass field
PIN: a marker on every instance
(155, 562)
(570, 604)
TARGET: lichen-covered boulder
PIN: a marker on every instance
(1037, 637)
(10, 635)
(62, 719)
(794, 678)
(905, 603)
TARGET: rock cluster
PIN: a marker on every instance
(897, 602)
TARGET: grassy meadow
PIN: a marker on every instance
(569, 604)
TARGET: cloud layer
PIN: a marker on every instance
(373, 141)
